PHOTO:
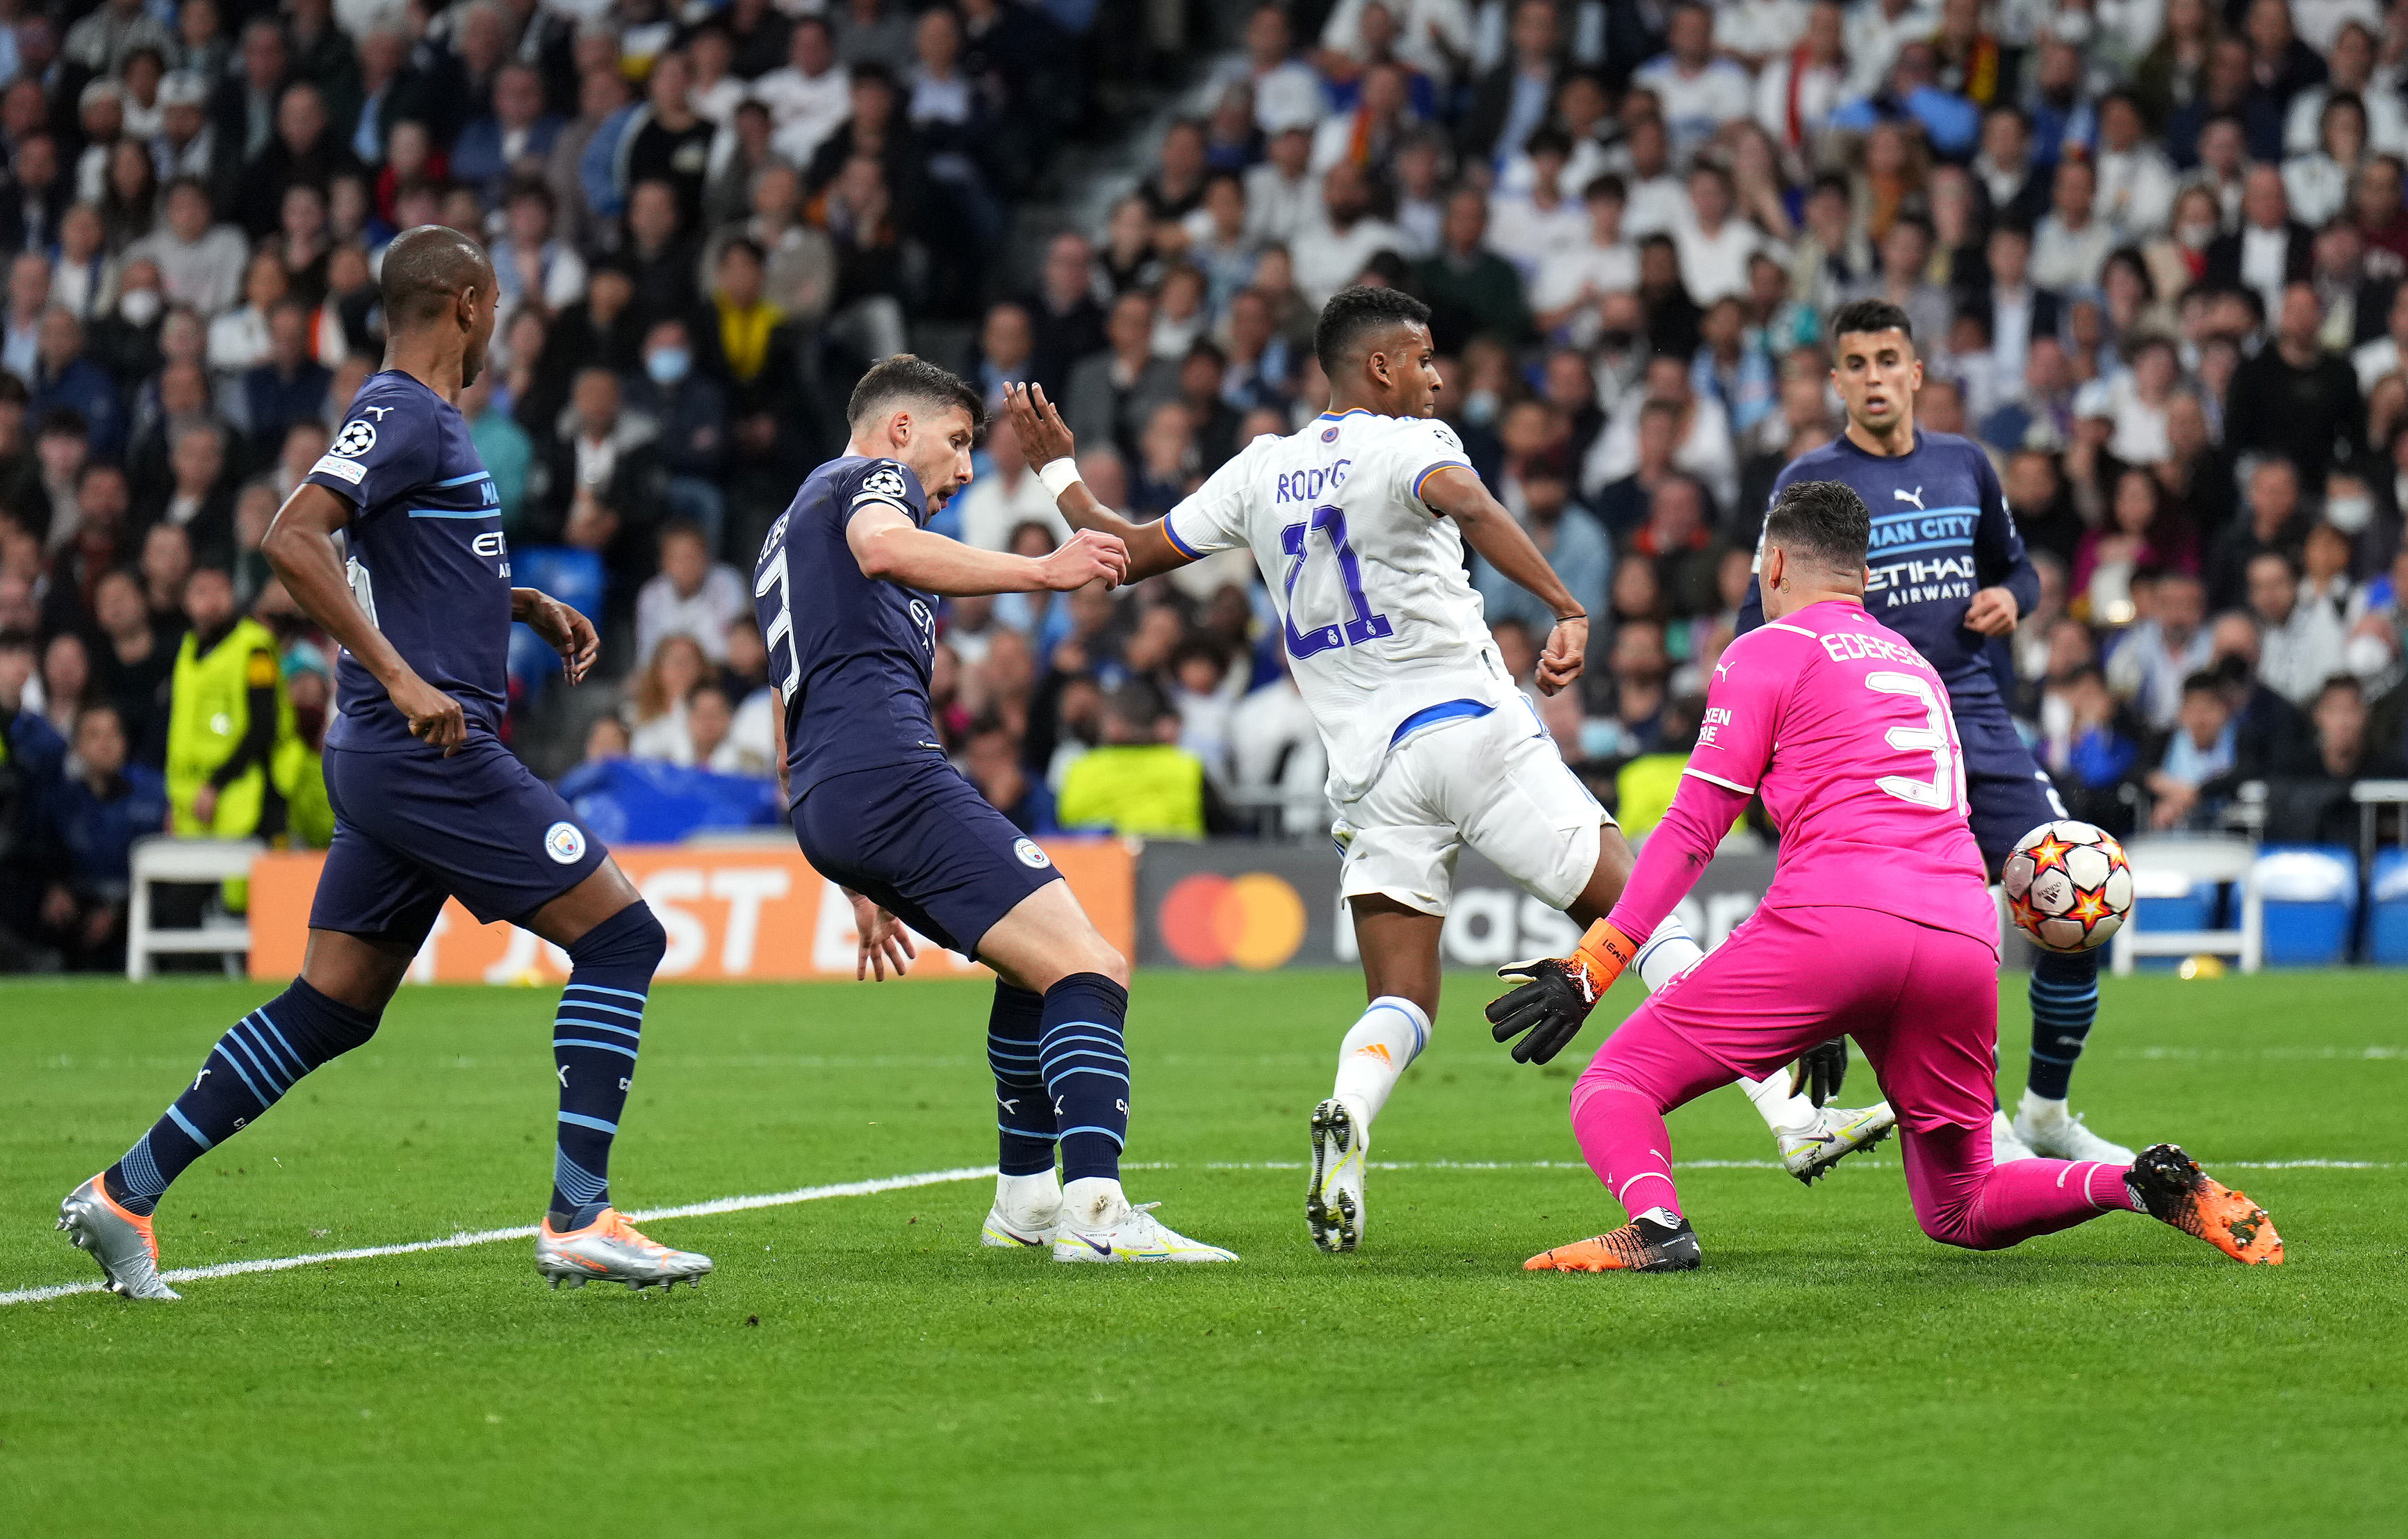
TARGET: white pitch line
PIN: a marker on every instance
(486, 1237)
(973, 1172)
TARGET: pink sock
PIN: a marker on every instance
(1621, 1135)
(1963, 1199)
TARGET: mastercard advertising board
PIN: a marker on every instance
(731, 911)
(1253, 907)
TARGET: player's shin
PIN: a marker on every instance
(1027, 1192)
(1084, 1064)
(1378, 1049)
(248, 1071)
(596, 1034)
(1621, 1135)
(1666, 954)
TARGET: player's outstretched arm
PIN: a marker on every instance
(892, 548)
(1458, 494)
(1045, 438)
(300, 549)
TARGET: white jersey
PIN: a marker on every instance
(1382, 625)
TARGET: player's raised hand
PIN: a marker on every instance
(1567, 654)
(885, 942)
(1086, 556)
(562, 629)
(1044, 437)
(435, 717)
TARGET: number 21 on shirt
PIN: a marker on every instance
(1361, 624)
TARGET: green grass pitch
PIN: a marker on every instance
(859, 1366)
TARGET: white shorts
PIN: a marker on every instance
(1495, 783)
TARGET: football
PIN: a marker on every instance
(2070, 885)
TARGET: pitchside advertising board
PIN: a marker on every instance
(1258, 906)
(732, 911)
(760, 912)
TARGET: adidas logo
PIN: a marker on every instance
(1377, 1050)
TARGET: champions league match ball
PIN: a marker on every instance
(2069, 886)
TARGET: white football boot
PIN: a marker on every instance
(2005, 1146)
(1836, 1133)
(611, 1250)
(1026, 1212)
(2047, 1129)
(119, 1240)
(1136, 1236)
(1333, 1204)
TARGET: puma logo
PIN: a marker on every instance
(379, 410)
(1915, 497)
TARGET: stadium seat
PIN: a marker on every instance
(572, 576)
(2387, 939)
(2176, 881)
(2311, 894)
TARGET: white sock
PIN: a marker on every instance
(1093, 1202)
(2040, 1111)
(1391, 1034)
(1030, 1201)
(1667, 954)
(1782, 1112)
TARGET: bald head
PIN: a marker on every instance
(425, 271)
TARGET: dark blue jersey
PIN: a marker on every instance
(427, 561)
(849, 653)
(1941, 532)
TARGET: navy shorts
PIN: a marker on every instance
(2009, 793)
(412, 828)
(920, 842)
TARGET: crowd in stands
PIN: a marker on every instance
(2153, 252)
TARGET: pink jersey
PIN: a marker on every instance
(1844, 730)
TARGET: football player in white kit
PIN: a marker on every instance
(1358, 523)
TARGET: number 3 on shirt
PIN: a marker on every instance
(1945, 789)
(1361, 624)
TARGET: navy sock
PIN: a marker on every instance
(2064, 1003)
(595, 1036)
(1023, 1111)
(246, 1073)
(1086, 1066)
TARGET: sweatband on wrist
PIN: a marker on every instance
(1058, 476)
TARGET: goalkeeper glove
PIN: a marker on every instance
(1821, 1071)
(1548, 1011)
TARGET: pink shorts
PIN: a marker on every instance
(1922, 1003)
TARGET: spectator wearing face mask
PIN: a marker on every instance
(690, 411)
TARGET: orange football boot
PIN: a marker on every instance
(1640, 1245)
(2173, 1189)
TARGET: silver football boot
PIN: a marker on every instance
(611, 1250)
(120, 1242)
(1835, 1133)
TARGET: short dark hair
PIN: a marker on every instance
(1867, 315)
(425, 269)
(1824, 521)
(2203, 683)
(904, 377)
(1352, 312)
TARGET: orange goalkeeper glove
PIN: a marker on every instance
(1548, 1011)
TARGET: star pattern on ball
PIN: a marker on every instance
(2026, 916)
(2050, 852)
(2090, 907)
